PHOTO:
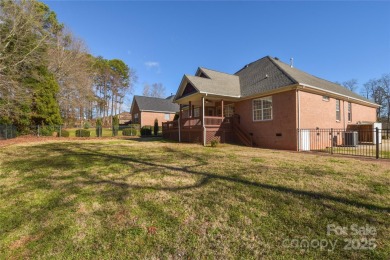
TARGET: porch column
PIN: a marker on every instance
(222, 108)
(179, 123)
(189, 110)
(203, 124)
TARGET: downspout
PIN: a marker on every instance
(204, 127)
(179, 121)
(299, 120)
(179, 129)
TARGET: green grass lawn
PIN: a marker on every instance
(106, 199)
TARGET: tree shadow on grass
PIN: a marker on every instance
(78, 155)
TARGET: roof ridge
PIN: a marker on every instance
(282, 70)
(218, 71)
(150, 97)
(312, 76)
(246, 66)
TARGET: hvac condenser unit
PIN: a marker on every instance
(350, 138)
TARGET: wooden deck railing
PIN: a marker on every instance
(194, 122)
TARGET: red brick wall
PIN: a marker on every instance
(135, 111)
(322, 114)
(283, 122)
(147, 118)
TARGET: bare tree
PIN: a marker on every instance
(71, 66)
(385, 84)
(146, 90)
(350, 84)
(158, 90)
(155, 90)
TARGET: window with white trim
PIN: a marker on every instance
(325, 98)
(262, 109)
(166, 116)
(349, 112)
(338, 114)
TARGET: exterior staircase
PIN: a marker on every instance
(244, 137)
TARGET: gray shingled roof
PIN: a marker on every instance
(261, 76)
(218, 83)
(156, 104)
(306, 79)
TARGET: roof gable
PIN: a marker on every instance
(262, 76)
(210, 82)
(155, 104)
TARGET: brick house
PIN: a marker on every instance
(124, 118)
(144, 110)
(263, 104)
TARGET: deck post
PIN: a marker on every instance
(203, 124)
(179, 123)
(222, 109)
(189, 109)
(377, 142)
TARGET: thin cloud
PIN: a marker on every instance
(152, 64)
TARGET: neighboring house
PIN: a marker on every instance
(144, 110)
(124, 118)
(262, 104)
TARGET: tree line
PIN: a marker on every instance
(377, 90)
(47, 75)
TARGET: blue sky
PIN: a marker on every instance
(162, 40)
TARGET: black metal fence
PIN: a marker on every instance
(7, 132)
(368, 142)
(10, 131)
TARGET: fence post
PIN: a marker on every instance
(377, 142)
(6, 132)
(38, 130)
(331, 141)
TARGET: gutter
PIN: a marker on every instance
(167, 112)
(338, 94)
(204, 127)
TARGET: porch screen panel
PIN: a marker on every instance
(228, 110)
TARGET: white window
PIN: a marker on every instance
(262, 109)
(166, 116)
(325, 98)
(196, 112)
(338, 114)
(349, 112)
(228, 110)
